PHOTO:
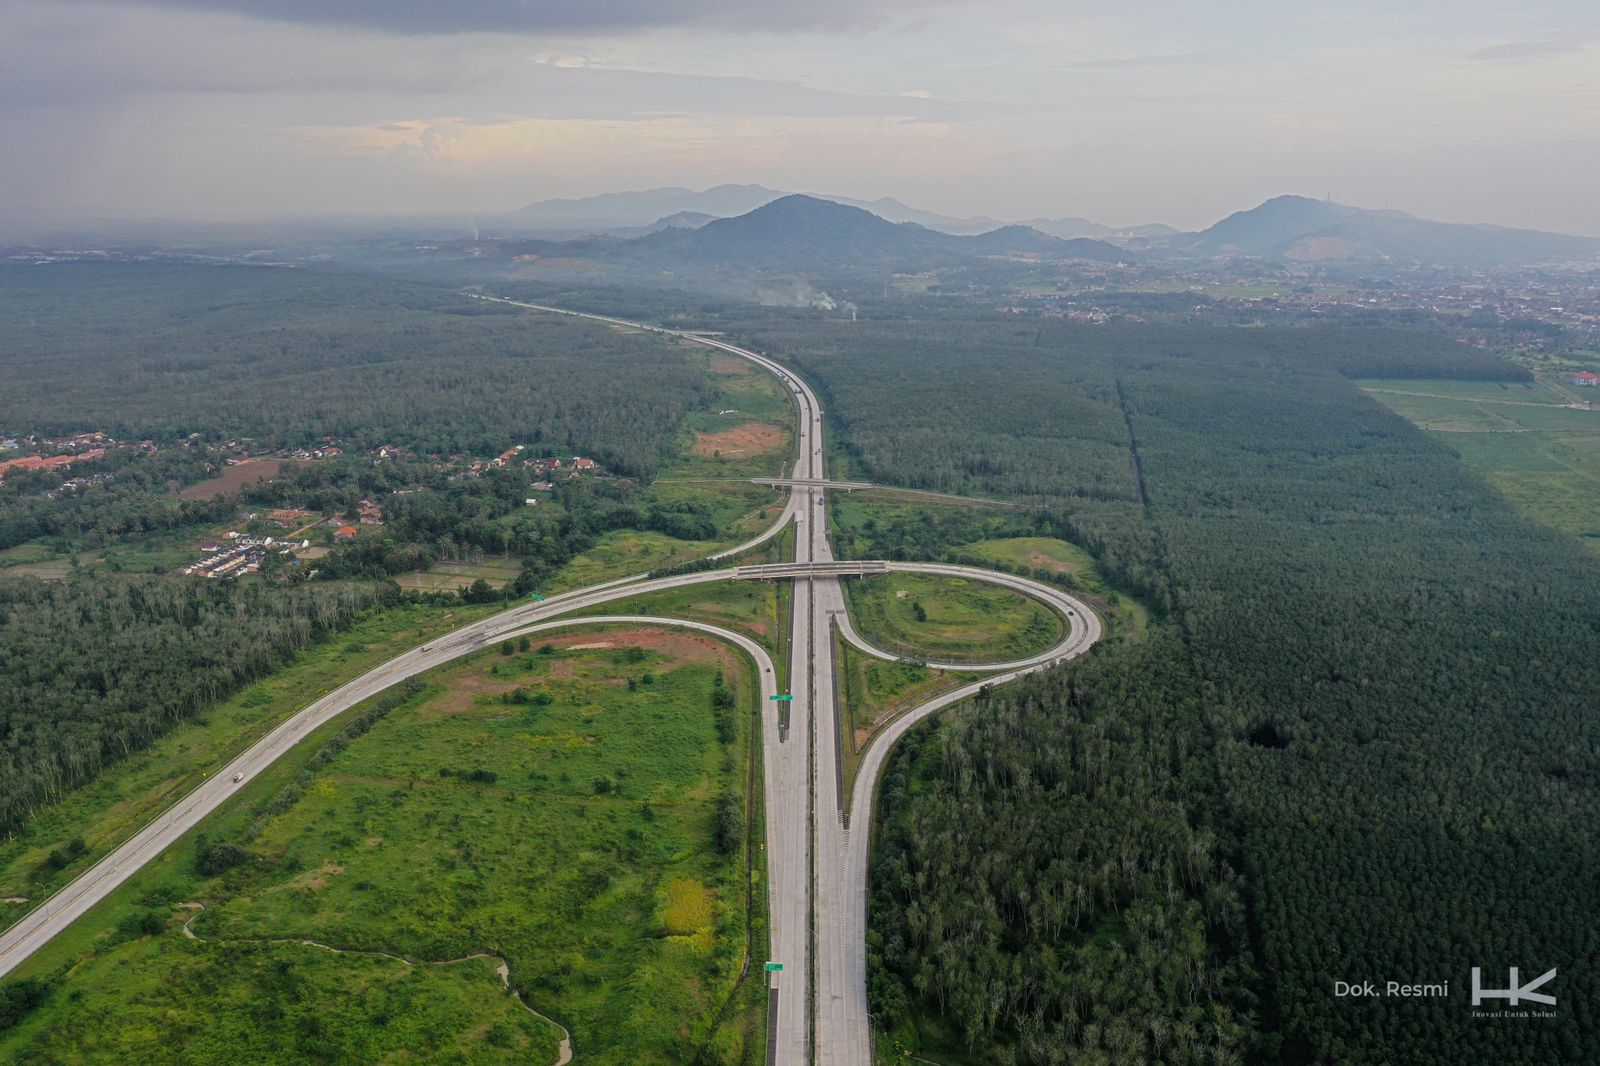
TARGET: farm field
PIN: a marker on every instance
(927, 616)
(556, 807)
(450, 576)
(1544, 458)
(235, 477)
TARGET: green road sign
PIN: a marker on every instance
(781, 696)
(774, 967)
(536, 596)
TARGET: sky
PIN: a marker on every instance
(1128, 112)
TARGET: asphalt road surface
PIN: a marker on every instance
(817, 842)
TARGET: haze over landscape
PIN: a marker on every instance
(708, 533)
(1153, 111)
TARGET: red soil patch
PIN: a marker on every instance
(752, 438)
(678, 646)
(236, 477)
(731, 365)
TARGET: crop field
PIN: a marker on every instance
(114, 805)
(1544, 458)
(449, 576)
(236, 477)
(928, 616)
(1518, 392)
(556, 808)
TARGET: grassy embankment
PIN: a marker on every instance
(950, 619)
(1047, 558)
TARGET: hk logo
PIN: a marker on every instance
(1516, 993)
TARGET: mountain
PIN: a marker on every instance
(799, 232)
(679, 220)
(1301, 229)
(642, 207)
(634, 213)
(805, 233)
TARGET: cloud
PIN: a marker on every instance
(1179, 59)
(1518, 51)
(561, 16)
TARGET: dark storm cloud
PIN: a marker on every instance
(558, 16)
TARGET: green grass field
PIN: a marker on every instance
(450, 576)
(748, 607)
(128, 794)
(169, 1000)
(926, 616)
(1037, 556)
(1543, 457)
(1515, 392)
(556, 808)
(872, 693)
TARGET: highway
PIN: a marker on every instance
(817, 843)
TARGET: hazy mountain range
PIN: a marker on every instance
(804, 234)
(628, 213)
(1297, 228)
(1287, 228)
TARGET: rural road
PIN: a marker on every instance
(816, 866)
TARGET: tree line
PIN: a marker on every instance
(1369, 708)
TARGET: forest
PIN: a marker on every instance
(286, 357)
(94, 670)
(283, 358)
(1365, 716)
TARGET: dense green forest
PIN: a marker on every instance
(134, 499)
(290, 356)
(94, 670)
(1368, 712)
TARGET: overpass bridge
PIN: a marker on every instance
(813, 482)
(835, 568)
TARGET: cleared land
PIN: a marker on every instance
(450, 576)
(926, 616)
(556, 807)
(1542, 456)
(235, 477)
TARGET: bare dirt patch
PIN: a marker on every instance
(236, 477)
(731, 365)
(463, 693)
(676, 645)
(751, 438)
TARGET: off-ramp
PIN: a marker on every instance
(817, 847)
